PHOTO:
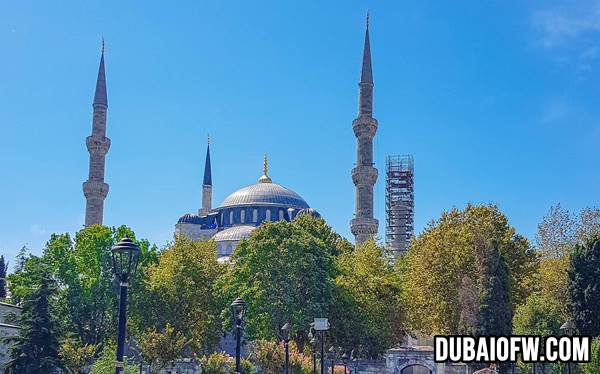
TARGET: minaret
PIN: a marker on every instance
(206, 184)
(364, 175)
(94, 189)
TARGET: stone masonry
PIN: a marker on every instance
(94, 189)
(364, 175)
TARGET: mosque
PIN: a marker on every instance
(247, 208)
(240, 212)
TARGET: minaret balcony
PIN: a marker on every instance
(364, 226)
(364, 127)
(364, 175)
(97, 145)
(94, 188)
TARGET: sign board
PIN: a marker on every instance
(321, 324)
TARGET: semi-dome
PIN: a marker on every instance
(190, 218)
(264, 194)
(234, 233)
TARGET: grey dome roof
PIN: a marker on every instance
(190, 218)
(234, 233)
(264, 194)
(310, 212)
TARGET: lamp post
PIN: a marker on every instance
(568, 328)
(285, 334)
(332, 353)
(313, 344)
(321, 325)
(238, 311)
(345, 361)
(353, 361)
(125, 256)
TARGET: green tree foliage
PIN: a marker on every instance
(539, 315)
(76, 357)
(159, 349)
(557, 234)
(105, 364)
(583, 287)
(269, 357)
(440, 257)
(593, 367)
(495, 312)
(3, 270)
(367, 309)
(180, 293)
(221, 363)
(87, 295)
(35, 350)
(285, 274)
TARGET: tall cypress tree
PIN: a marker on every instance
(3, 269)
(495, 313)
(583, 287)
(35, 350)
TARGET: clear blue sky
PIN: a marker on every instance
(497, 101)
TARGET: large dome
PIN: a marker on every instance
(264, 194)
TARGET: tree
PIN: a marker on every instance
(35, 350)
(181, 286)
(285, 275)
(593, 367)
(105, 364)
(444, 253)
(3, 270)
(20, 258)
(75, 356)
(367, 309)
(86, 297)
(494, 316)
(540, 316)
(160, 348)
(583, 287)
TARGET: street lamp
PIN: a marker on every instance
(332, 353)
(238, 311)
(285, 335)
(313, 343)
(353, 361)
(345, 361)
(568, 328)
(125, 256)
(321, 325)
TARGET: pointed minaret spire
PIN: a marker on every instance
(364, 175)
(100, 97)
(206, 183)
(365, 101)
(94, 189)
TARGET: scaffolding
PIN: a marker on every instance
(399, 202)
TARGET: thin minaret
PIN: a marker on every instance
(206, 184)
(363, 226)
(94, 189)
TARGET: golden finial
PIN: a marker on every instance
(265, 178)
(102, 44)
(265, 165)
(367, 20)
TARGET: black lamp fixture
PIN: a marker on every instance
(125, 255)
(238, 312)
(285, 335)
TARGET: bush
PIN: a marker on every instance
(105, 364)
(269, 357)
(222, 363)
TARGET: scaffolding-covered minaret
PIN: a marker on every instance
(399, 202)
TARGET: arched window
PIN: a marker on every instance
(243, 216)
(231, 217)
(254, 215)
(268, 215)
(281, 214)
